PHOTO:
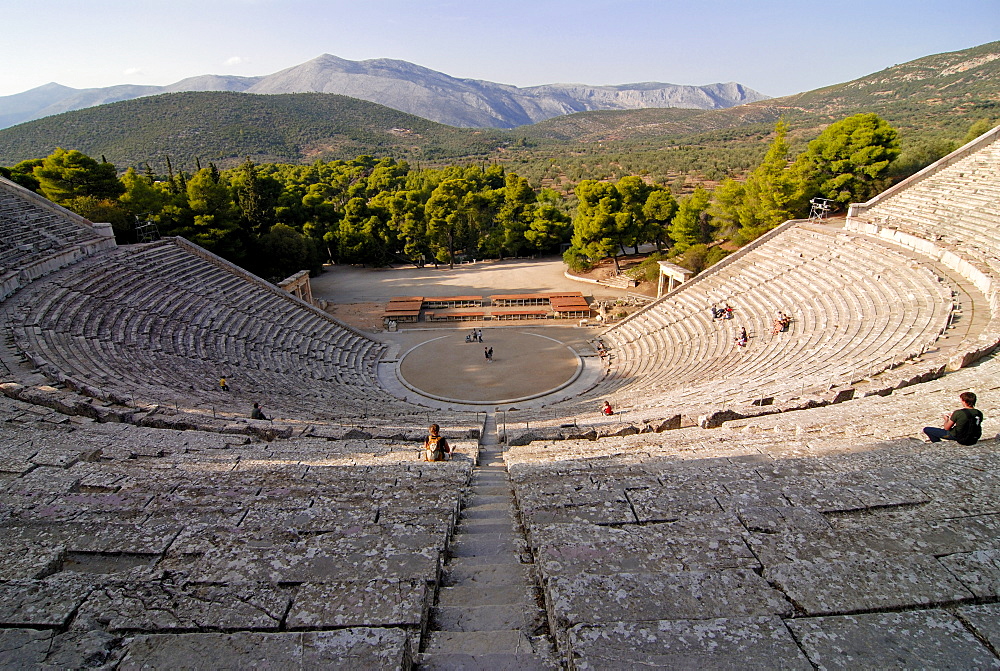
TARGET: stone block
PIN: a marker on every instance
(479, 642)
(354, 648)
(24, 648)
(979, 571)
(312, 562)
(866, 582)
(662, 596)
(360, 603)
(485, 618)
(719, 643)
(571, 549)
(42, 603)
(909, 640)
(163, 606)
(984, 620)
(670, 503)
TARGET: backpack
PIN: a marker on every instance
(434, 449)
(972, 430)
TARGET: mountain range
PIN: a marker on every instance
(469, 103)
(933, 102)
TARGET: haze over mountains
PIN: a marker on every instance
(403, 86)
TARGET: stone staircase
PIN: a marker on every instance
(619, 281)
(487, 614)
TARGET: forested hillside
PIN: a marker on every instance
(226, 127)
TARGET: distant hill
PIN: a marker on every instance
(226, 127)
(931, 96)
(469, 103)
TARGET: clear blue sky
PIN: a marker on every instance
(777, 47)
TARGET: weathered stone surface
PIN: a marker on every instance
(214, 651)
(672, 503)
(496, 661)
(485, 618)
(83, 649)
(360, 558)
(355, 648)
(909, 640)
(722, 643)
(24, 648)
(464, 571)
(42, 603)
(979, 571)
(783, 519)
(357, 603)
(162, 606)
(358, 648)
(866, 582)
(22, 561)
(479, 642)
(571, 549)
(607, 512)
(659, 596)
(984, 620)
(97, 537)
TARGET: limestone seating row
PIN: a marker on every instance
(957, 202)
(681, 523)
(868, 309)
(703, 336)
(715, 526)
(29, 232)
(299, 536)
(139, 321)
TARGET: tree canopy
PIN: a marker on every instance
(272, 218)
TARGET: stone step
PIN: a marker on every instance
(484, 526)
(468, 596)
(508, 641)
(492, 511)
(490, 475)
(493, 490)
(465, 571)
(488, 662)
(486, 618)
(491, 499)
(484, 546)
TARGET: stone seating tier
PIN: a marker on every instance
(768, 538)
(158, 548)
(956, 204)
(157, 324)
(37, 237)
(856, 306)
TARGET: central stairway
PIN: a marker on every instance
(487, 614)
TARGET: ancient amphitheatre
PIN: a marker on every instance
(768, 507)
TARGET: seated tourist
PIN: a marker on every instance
(436, 446)
(742, 339)
(607, 410)
(257, 413)
(964, 426)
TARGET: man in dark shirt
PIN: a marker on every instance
(964, 426)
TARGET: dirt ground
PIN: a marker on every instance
(357, 296)
(363, 316)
